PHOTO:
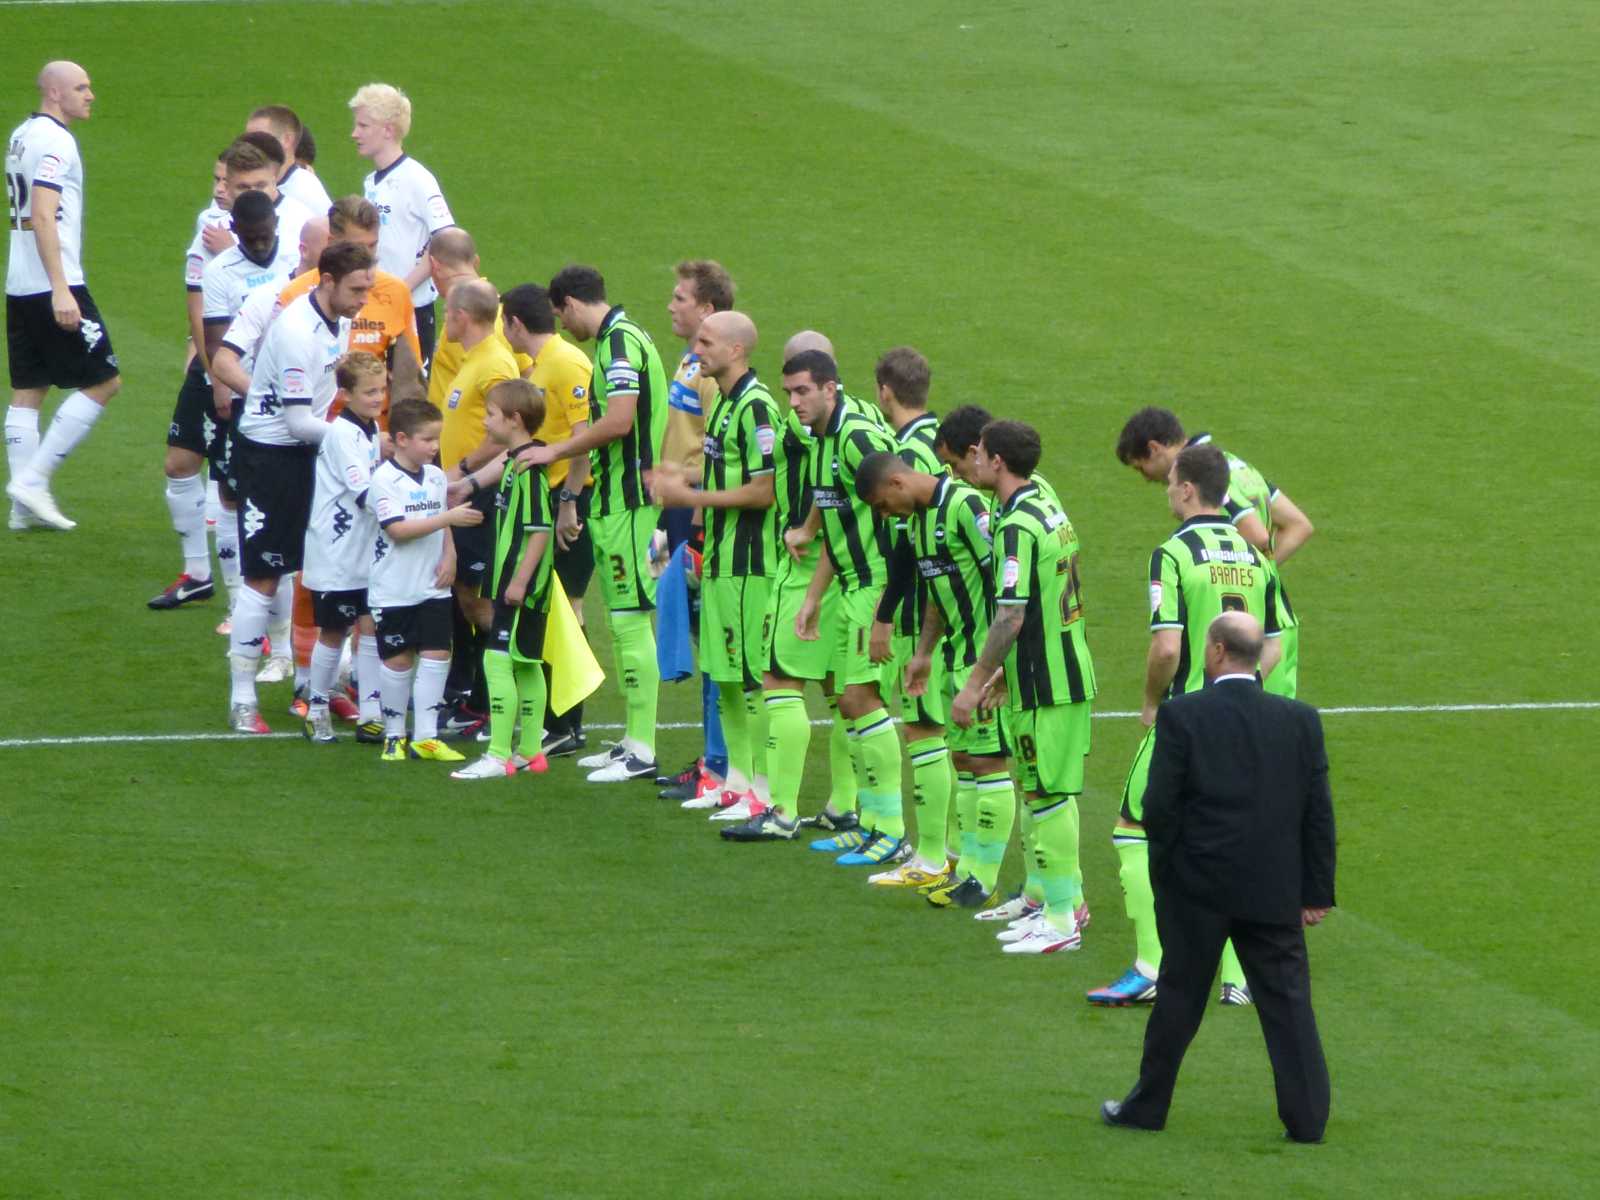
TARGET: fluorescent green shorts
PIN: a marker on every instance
(850, 663)
(987, 736)
(622, 558)
(735, 627)
(786, 655)
(1051, 746)
(1286, 675)
(1138, 776)
(930, 708)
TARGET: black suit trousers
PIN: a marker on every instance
(1276, 967)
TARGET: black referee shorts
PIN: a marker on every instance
(44, 354)
(575, 564)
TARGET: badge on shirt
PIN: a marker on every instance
(983, 527)
(1010, 573)
(49, 167)
(294, 382)
(765, 438)
(1155, 597)
(455, 399)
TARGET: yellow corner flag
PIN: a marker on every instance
(574, 672)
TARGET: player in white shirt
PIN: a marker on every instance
(339, 542)
(412, 205)
(296, 182)
(276, 434)
(231, 363)
(213, 233)
(413, 566)
(258, 259)
(54, 332)
(252, 163)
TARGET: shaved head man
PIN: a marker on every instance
(738, 497)
(55, 334)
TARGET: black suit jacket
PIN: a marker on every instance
(1237, 809)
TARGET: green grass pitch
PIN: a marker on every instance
(1355, 240)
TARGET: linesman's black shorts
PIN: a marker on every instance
(406, 627)
(339, 610)
(574, 564)
(42, 353)
(475, 543)
(273, 485)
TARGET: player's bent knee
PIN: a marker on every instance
(102, 392)
(181, 463)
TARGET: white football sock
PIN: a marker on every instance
(227, 532)
(278, 625)
(250, 613)
(68, 427)
(213, 501)
(22, 438)
(324, 670)
(367, 679)
(427, 697)
(186, 501)
(395, 687)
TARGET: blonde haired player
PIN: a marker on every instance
(406, 193)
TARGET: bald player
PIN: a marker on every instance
(738, 499)
(54, 333)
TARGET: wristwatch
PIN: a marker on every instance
(566, 497)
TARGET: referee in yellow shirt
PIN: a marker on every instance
(563, 372)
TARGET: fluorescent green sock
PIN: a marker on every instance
(530, 706)
(931, 779)
(788, 736)
(1232, 972)
(879, 747)
(755, 715)
(1032, 888)
(1055, 857)
(1134, 853)
(735, 734)
(634, 643)
(967, 821)
(841, 761)
(996, 812)
(502, 683)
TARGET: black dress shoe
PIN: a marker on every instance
(1111, 1114)
(1289, 1137)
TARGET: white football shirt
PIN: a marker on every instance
(233, 275)
(411, 209)
(293, 366)
(194, 262)
(304, 188)
(403, 572)
(250, 323)
(292, 217)
(342, 532)
(43, 154)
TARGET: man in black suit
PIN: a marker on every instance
(1240, 821)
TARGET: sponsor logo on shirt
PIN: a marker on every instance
(825, 497)
(932, 568)
(455, 399)
(578, 393)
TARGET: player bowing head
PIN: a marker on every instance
(347, 276)
(881, 481)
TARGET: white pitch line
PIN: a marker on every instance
(127, 739)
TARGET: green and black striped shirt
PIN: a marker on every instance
(626, 360)
(955, 564)
(1036, 565)
(740, 445)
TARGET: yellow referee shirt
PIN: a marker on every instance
(563, 371)
(466, 397)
